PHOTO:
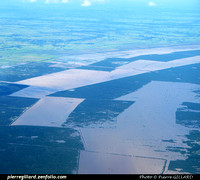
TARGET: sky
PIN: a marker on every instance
(88, 3)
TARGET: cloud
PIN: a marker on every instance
(86, 3)
(47, 1)
(65, 1)
(32, 0)
(51, 1)
(83, 2)
(151, 3)
(56, 1)
(99, 1)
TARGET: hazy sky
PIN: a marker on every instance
(88, 3)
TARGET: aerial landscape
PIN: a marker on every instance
(100, 87)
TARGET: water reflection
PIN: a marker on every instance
(146, 129)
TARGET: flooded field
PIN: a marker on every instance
(111, 93)
(136, 115)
